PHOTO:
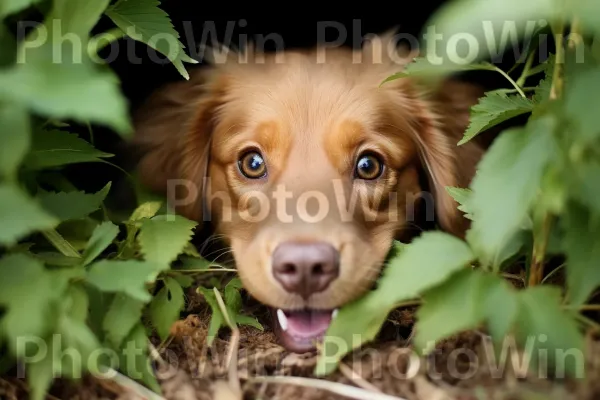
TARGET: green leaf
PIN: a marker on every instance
(423, 68)
(501, 306)
(453, 307)
(9, 7)
(548, 329)
(493, 109)
(232, 296)
(163, 238)
(505, 186)
(461, 196)
(21, 215)
(28, 293)
(78, 302)
(166, 306)
(241, 319)
(102, 237)
(40, 375)
(492, 27)
(128, 277)
(144, 21)
(582, 247)
(58, 148)
(78, 17)
(427, 261)
(542, 90)
(15, 139)
(217, 320)
(580, 97)
(145, 210)
(134, 358)
(72, 205)
(50, 82)
(8, 44)
(123, 314)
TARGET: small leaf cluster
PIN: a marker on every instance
(533, 199)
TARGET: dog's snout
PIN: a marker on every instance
(305, 268)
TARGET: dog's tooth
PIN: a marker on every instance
(334, 313)
(282, 319)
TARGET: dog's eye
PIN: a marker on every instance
(368, 167)
(252, 165)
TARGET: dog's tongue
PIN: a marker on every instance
(299, 330)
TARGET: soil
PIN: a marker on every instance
(460, 368)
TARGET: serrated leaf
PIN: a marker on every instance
(542, 90)
(501, 306)
(544, 324)
(9, 7)
(493, 109)
(102, 237)
(461, 196)
(21, 215)
(166, 306)
(145, 22)
(15, 138)
(123, 314)
(72, 205)
(162, 239)
(582, 247)
(427, 261)
(124, 276)
(58, 148)
(506, 185)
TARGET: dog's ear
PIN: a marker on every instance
(443, 117)
(173, 130)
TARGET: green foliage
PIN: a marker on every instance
(493, 109)
(535, 196)
(73, 275)
(142, 20)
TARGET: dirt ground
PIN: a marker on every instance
(461, 368)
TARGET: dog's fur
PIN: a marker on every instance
(309, 119)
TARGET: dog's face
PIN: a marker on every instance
(308, 170)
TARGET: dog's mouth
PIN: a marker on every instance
(300, 330)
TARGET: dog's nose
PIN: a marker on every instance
(305, 268)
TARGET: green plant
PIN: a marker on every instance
(535, 195)
(69, 270)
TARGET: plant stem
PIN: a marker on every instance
(540, 243)
(526, 69)
(61, 244)
(511, 80)
(557, 79)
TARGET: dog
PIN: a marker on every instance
(308, 168)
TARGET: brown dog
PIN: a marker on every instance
(308, 169)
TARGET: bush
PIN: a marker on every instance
(533, 198)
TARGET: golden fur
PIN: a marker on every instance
(310, 113)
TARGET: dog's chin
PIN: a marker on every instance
(300, 330)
